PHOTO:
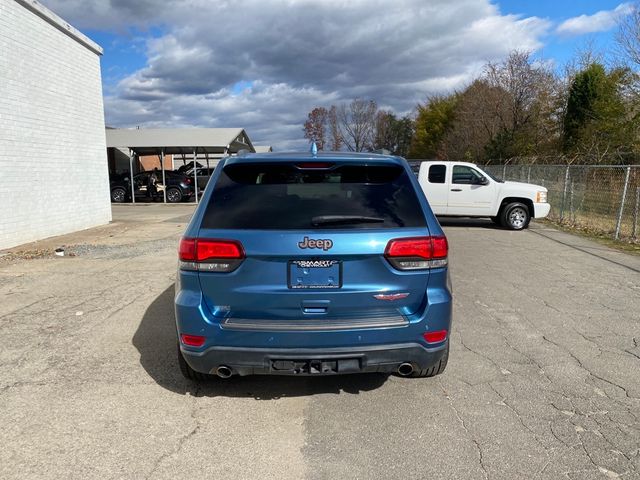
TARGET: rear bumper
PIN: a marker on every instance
(289, 361)
(541, 210)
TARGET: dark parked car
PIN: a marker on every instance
(179, 187)
(204, 174)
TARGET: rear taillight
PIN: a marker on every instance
(210, 255)
(417, 253)
(187, 181)
(435, 337)
(187, 249)
(206, 249)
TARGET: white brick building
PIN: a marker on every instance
(53, 163)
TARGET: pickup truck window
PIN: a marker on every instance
(437, 173)
(466, 175)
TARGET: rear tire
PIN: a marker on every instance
(118, 195)
(188, 372)
(174, 195)
(515, 216)
(434, 370)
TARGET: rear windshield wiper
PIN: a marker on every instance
(343, 220)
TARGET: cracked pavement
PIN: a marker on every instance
(543, 380)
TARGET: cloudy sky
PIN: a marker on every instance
(264, 64)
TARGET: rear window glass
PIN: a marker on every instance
(437, 173)
(284, 197)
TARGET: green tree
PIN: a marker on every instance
(393, 134)
(433, 122)
(596, 120)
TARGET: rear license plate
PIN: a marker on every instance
(315, 274)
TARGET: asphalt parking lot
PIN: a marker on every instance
(543, 380)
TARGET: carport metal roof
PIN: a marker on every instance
(177, 141)
(153, 141)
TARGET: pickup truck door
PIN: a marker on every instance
(435, 185)
(468, 196)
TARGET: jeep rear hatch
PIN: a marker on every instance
(310, 242)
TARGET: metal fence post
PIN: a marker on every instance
(572, 215)
(133, 188)
(564, 192)
(624, 198)
(195, 172)
(634, 235)
(504, 171)
(529, 175)
(164, 178)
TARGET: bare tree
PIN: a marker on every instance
(334, 130)
(628, 40)
(628, 36)
(356, 122)
(522, 81)
(478, 118)
(384, 136)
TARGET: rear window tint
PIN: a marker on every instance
(284, 197)
(437, 173)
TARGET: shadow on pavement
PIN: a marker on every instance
(156, 340)
(468, 223)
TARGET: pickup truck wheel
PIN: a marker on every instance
(188, 372)
(516, 216)
(434, 370)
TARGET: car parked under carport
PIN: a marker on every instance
(179, 187)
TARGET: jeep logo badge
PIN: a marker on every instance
(325, 244)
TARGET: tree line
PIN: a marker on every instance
(359, 126)
(519, 107)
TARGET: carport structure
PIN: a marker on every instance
(178, 141)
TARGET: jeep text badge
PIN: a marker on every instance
(324, 244)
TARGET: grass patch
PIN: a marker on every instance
(586, 231)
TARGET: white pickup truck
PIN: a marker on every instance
(460, 189)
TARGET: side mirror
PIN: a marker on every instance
(483, 181)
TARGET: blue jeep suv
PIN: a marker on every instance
(313, 264)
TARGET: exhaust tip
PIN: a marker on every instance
(405, 369)
(223, 371)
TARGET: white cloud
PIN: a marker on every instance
(294, 55)
(598, 22)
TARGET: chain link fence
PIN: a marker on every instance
(600, 199)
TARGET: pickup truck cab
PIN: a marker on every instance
(461, 189)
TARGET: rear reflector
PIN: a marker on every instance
(210, 255)
(192, 340)
(435, 337)
(417, 253)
